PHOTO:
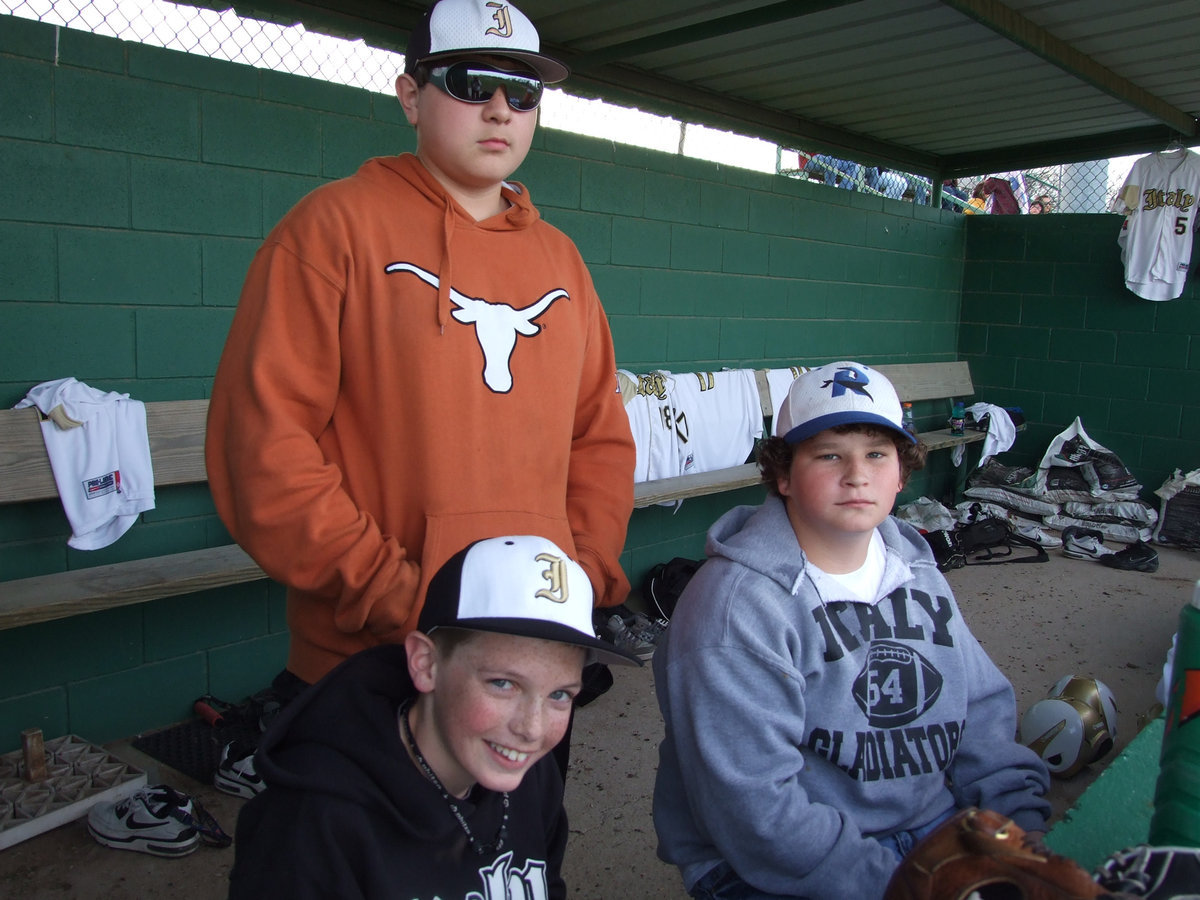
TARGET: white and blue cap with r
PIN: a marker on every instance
(840, 393)
(522, 585)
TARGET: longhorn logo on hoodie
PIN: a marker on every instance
(496, 325)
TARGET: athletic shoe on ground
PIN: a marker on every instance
(1137, 557)
(646, 629)
(1083, 543)
(156, 820)
(235, 772)
(617, 632)
(1156, 873)
(1035, 532)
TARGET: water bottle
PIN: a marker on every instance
(958, 418)
(1176, 818)
(908, 419)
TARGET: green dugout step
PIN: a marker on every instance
(1114, 812)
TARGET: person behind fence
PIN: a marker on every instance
(841, 173)
(418, 360)
(978, 202)
(826, 705)
(421, 770)
(951, 193)
(1041, 204)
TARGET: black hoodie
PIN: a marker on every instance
(346, 814)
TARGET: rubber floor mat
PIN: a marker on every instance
(194, 748)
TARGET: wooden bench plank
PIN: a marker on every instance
(61, 594)
(930, 381)
(943, 439)
(697, 484)
(177, 446)
(176, 430)
(23, 458)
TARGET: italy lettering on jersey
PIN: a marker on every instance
(1159, 202)
(896, 688)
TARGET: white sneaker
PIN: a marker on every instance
(236, 774)
(1083, 543)
(156, 820)
(1035, 532)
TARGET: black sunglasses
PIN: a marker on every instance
(474, 82)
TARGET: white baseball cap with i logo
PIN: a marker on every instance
(464, 27)
(518, 584)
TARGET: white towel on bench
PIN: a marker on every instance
(1000, 434)
(102, 464)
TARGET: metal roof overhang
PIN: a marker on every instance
(940, 87)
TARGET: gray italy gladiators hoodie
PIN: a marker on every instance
(800, 727)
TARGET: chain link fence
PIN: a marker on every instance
(1087, 187)
(222, 35)
(1078, 187)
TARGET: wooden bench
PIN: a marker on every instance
(176, 431)
(914, 382)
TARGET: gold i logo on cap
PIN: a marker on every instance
(502, 19)
(555, 573)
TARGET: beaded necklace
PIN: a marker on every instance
(501, 834)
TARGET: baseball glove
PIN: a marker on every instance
(982, 854)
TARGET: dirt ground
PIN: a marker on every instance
(1039, 622)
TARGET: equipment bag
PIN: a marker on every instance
(984, 542)
(665, 582)
(990, 540)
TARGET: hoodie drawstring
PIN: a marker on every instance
(444, 273)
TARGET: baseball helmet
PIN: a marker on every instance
(1074, 726)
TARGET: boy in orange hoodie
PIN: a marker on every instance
(418, 361)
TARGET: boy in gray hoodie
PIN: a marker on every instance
(826, 704)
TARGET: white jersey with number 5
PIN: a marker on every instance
(1159, 202)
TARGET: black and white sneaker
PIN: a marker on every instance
(1137, 557)
(1083, 543)
(616, 631)
(157, 820)
(236, 773)
(1156, 873)
(1035, 532)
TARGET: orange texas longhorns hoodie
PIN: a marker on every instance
(400, 380)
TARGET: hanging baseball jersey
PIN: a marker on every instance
(778, 383)
(717, 417)
(1159, 203)
(653, 427)
(99, 452)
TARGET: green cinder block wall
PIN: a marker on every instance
(142, 180)
(1048, 325)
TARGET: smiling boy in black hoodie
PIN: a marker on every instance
(421, 770)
